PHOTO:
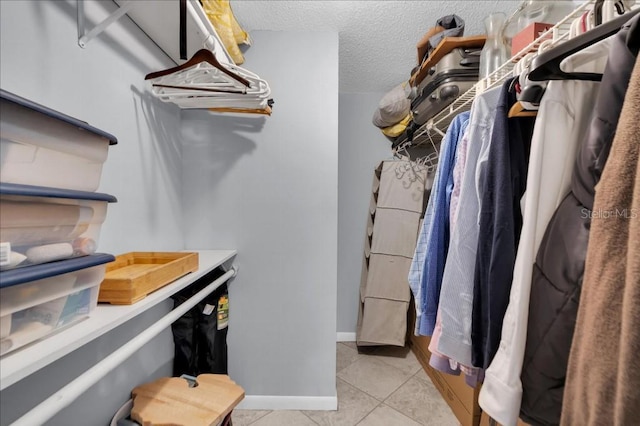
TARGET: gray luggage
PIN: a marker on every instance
(453, 75)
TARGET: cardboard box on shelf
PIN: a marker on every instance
(527, 36)
(485, 420)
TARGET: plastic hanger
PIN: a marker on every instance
(202, 55)
(204, 89)
(547, 65)
(524, 107)
(597, 12)
(207, 102)
(201, 78)
(518, 110)
(259, 111)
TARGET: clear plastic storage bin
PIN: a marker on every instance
(39, 225)
(40, 146)
(36, 301)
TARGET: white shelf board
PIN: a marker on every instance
(19, 364)
(434, 130)
(159, 19)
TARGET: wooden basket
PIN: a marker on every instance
(134, 275)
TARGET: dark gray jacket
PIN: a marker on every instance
(559, 267)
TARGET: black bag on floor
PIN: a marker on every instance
(200, 335)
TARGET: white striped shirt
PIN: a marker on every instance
(456, 294)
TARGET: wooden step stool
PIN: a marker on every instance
(171, 401)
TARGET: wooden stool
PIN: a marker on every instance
(170, 400)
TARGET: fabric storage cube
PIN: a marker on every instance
(402, 186)
(40, 146)
(387, 278)
(36, 301)
(39, 224)
(395, 232)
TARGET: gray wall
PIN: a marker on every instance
(269, 187)
(103, 84)
(362, 147)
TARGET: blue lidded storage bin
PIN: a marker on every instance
(40, 224)
(41, 146)
(39, 300)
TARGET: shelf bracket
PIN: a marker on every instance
(438, 131)
(84, 39)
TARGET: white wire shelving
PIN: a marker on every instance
(434, 130)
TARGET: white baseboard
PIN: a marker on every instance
(265, 402)
(346, 337)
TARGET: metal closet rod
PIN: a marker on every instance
(84, 37)
(69, 393)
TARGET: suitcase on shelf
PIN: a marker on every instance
(453, 75)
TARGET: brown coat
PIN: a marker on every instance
(603, 380)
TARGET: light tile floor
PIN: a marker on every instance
(385, 386)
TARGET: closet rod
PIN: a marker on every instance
(210, 41)
(69, 393)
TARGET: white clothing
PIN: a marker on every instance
(561, 125)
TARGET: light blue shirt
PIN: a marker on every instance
(427, 266)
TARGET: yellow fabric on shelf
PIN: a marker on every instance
(221, 16)
(397, 129)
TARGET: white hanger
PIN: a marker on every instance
(203, 82)
(610, 8)
(203, 79)
(209, 102)
(524, 72)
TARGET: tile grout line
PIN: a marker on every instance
(403, 383)
(358, 389)
(392, 392)
(372, 410)
(352, 362)
(405, 414)
(313, 421)
(261, 417)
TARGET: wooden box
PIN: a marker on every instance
(525, 37)
(134, 275)
(485, 420)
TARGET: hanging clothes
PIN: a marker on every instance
(456, 294)
(559, 267)
(603, 375)
(437, 360)
(500, 225)
(425, 275)
(562, 122)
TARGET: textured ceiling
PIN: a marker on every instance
(377, 38)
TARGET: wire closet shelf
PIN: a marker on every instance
(434, 130)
